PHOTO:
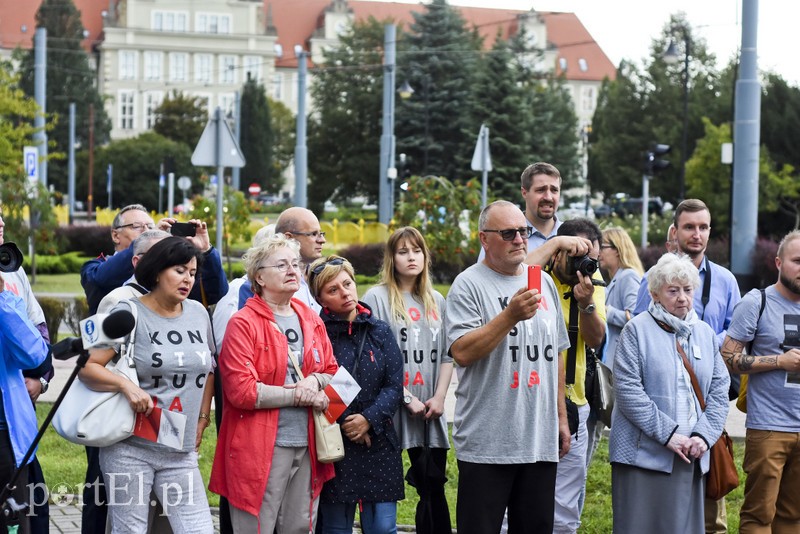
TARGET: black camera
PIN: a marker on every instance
(10, 258)
(584, 264)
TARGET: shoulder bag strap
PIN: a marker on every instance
(572, 352)
(364, 329)
(295, 364)
(692, 377)
(126, 361)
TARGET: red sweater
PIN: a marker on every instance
(254, 350)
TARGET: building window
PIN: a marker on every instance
(252, 68)
(588, 97)
(178, 67)
(227, 70)
(213, 23)
(127, 65)
(227, 102)
(126, 109)
(169, 21)
(152, 99)
(202, 68)
(153, 66)
(583, 65)
(277, 86)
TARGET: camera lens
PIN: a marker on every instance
(585, 265)
(10, 258)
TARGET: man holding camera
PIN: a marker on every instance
(767, 322)
(583, 304)
(103, 274)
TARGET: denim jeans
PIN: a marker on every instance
(376, 517)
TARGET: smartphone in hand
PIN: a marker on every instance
(183, 229)
(535, 277)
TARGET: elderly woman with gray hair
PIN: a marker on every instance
(266, 459)
(659, 435)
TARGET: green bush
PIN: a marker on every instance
(54, 310)
(70, 262)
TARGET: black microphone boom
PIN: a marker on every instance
(67, 348)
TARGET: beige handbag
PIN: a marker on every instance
(330, 446)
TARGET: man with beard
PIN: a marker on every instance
(583, 306)
(541, 190)
(767, 322)
(714, 303)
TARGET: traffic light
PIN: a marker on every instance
(653, 164)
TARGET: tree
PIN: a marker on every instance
(344, 129)
(257, 139)
(780, 115)
(182, 118)
(284, 138)
(499, 102)
(70, 79)
(645, 106)
(434, 126)
(16, 130)
(235, 219)
(136, 169)
(709, 179)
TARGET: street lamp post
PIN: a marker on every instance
(385, 183)
(671, 56)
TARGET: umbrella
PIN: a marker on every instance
(424, 475)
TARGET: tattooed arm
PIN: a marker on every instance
(737, 361)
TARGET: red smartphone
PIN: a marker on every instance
(535, 277)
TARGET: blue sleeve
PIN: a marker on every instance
(380, 413)
(643, 297)
(23, 346)
(100, 276)
(244, 293)
(212, 278)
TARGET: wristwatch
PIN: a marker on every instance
(45, 384)
(407, 399)
(588, 309)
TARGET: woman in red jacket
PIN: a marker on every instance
(265, 462)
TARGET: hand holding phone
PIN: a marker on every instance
(535, 277)
(183, 229)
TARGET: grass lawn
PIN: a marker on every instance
(58, 283)
(65, 463)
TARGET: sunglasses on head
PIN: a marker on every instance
(321, 267)
(511, 233)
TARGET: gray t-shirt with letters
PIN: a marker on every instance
(773, 397)
(507, 403)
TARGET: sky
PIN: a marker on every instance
(624, 29)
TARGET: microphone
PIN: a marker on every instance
(104, 329)
(113, 326)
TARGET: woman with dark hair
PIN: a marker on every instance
(371, 474)
(173, 356)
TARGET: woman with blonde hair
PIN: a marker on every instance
(370, 476)
(619, 259)
(406, 300)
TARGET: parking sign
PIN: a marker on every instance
(30, 161)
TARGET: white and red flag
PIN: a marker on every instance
(341, 391)
(161, 426)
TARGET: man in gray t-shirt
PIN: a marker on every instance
(510, 417)
(772, 448)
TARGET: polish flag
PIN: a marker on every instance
(341, 391)
(161, 426)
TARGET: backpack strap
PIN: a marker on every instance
(760, 313)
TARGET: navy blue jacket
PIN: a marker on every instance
(373, 474)
(103, 274)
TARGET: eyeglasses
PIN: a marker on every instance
(283, 266)
(606, 245)
(315, 234)
(511, 233)
(137, 226)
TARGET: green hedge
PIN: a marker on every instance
(70, 262)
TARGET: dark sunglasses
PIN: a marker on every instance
(511, 233)
(321, 267)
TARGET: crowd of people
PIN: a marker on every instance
(677, 338)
